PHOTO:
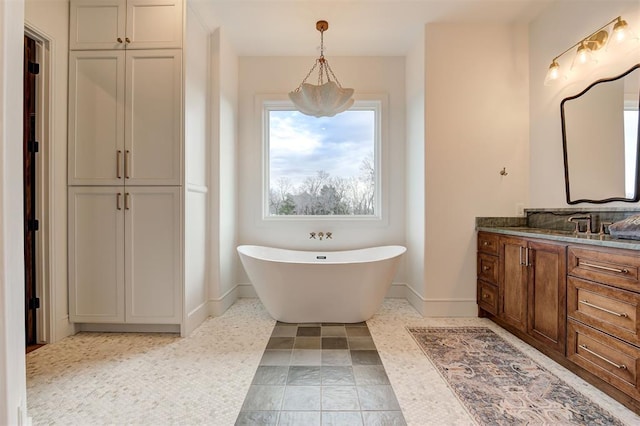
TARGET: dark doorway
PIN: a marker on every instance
(30, 148)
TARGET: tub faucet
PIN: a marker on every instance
(328, 235)
(312, 235)
(577, 219)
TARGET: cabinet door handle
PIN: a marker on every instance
(606, 268)
(119, 39)
(127, 40)
(118, 161)
(526, 256)
(520, 253)
(608, 361)
(127, 196)
(600, 308)
(118, 206)
(127, 163)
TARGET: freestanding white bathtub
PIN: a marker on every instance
(334, 286)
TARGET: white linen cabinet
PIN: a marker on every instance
(125, 24)
(124, 254)
(125, 163)
(125, 117)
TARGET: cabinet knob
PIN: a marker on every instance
(485, 296)
(119, 40)
(486, 268)
(127, 40)
(485, 243)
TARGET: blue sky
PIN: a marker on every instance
(300, 145)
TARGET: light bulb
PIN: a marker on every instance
(583, 54)
(552, 74)
(620, 29)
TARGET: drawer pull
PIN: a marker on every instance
(486, 268)
(606, 268)
(608, 361)
(618, 314)
(485, 243)
(486, 296)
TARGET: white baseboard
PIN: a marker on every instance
(397, 291)
(63, 328)
(218, 306)
(442, 307)
(246, 290)
(195, 318)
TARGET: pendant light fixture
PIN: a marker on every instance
(327, 98)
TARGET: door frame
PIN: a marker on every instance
(45, 261)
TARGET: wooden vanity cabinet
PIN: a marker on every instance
(577, 303)
(488, 267)
(603, 309)
(531, 288)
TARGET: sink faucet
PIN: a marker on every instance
(577, 219)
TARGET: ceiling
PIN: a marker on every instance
(356, 27)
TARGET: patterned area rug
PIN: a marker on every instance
(500, 385)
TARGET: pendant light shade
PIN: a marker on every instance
(327, 98)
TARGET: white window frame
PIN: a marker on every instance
(375, 102)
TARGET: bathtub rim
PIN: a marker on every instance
(396, 250)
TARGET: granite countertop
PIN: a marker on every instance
(563, 236)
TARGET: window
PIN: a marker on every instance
(327, 166)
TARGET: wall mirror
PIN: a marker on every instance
(600, 133)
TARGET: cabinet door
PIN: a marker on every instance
(152, 255)
(154, 24)
(97, 24)
(153, 153)
(547, 294)
(96, 118)
(96, 243)
(513, 282)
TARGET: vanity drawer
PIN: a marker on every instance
(488, 243)
(610, 309)
(488, 268)
(488, 297)
(612, 360)
(619, 268)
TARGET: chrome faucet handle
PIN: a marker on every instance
(328, 235)
(312, 235)
(577, 219)
(320, 234)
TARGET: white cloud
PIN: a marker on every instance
(287, 138)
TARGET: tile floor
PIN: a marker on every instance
(313, 374)
(159, 379)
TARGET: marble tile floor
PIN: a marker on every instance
(313, 374)
(161, 379)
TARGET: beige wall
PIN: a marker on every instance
(278, 76)
(415, 173)
(550, 34)
(224, 140)
(196, 145)
(476, 123)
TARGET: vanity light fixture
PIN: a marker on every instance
(325, 99)
(586, 47)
